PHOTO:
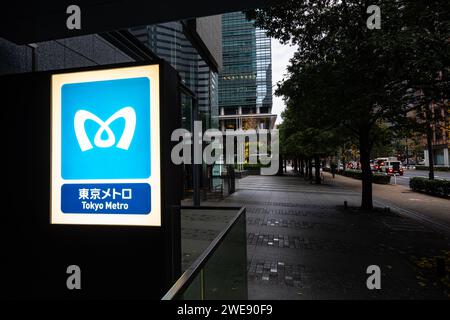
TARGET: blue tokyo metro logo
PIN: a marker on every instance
(105, 129)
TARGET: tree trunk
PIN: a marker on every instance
(280, 165)
(294, 163)
(317, 169)
(430, 152)
(364, 150)
(306, 169)
(302, 167)
(310, 175)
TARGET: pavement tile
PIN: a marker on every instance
(302, 244)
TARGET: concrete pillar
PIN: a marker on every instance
(425, 153)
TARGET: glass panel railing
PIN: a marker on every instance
(199, 227)
(225, 273)
(195, 290)
(215, 240)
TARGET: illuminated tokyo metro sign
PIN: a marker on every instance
(106, 147)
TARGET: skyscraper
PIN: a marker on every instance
(193, 48)
(245, 82)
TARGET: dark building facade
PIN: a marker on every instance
(192, 47)
(83, 51)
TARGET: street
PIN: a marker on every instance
(404, 180)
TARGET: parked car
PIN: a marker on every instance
(391, 167)
(380, 162)
(409, 164)
(374, 166)
(354, 165)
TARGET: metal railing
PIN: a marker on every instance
(220, 272)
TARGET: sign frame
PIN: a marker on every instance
(154, 218)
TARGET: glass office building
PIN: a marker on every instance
(245, 82)
(193, 48)
(171, 42)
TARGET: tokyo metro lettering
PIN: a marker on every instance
(123, 198)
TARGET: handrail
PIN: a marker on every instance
(191, 272)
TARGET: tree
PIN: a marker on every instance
(425, 82)
(305, 125)
(348, 68)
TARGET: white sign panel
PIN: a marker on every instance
(105, 147)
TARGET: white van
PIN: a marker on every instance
(392, 167)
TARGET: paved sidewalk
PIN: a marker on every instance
(302, 244)
(422, 207)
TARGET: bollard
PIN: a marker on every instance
(387, 209)
(345, 204)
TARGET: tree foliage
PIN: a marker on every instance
(345, 75)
